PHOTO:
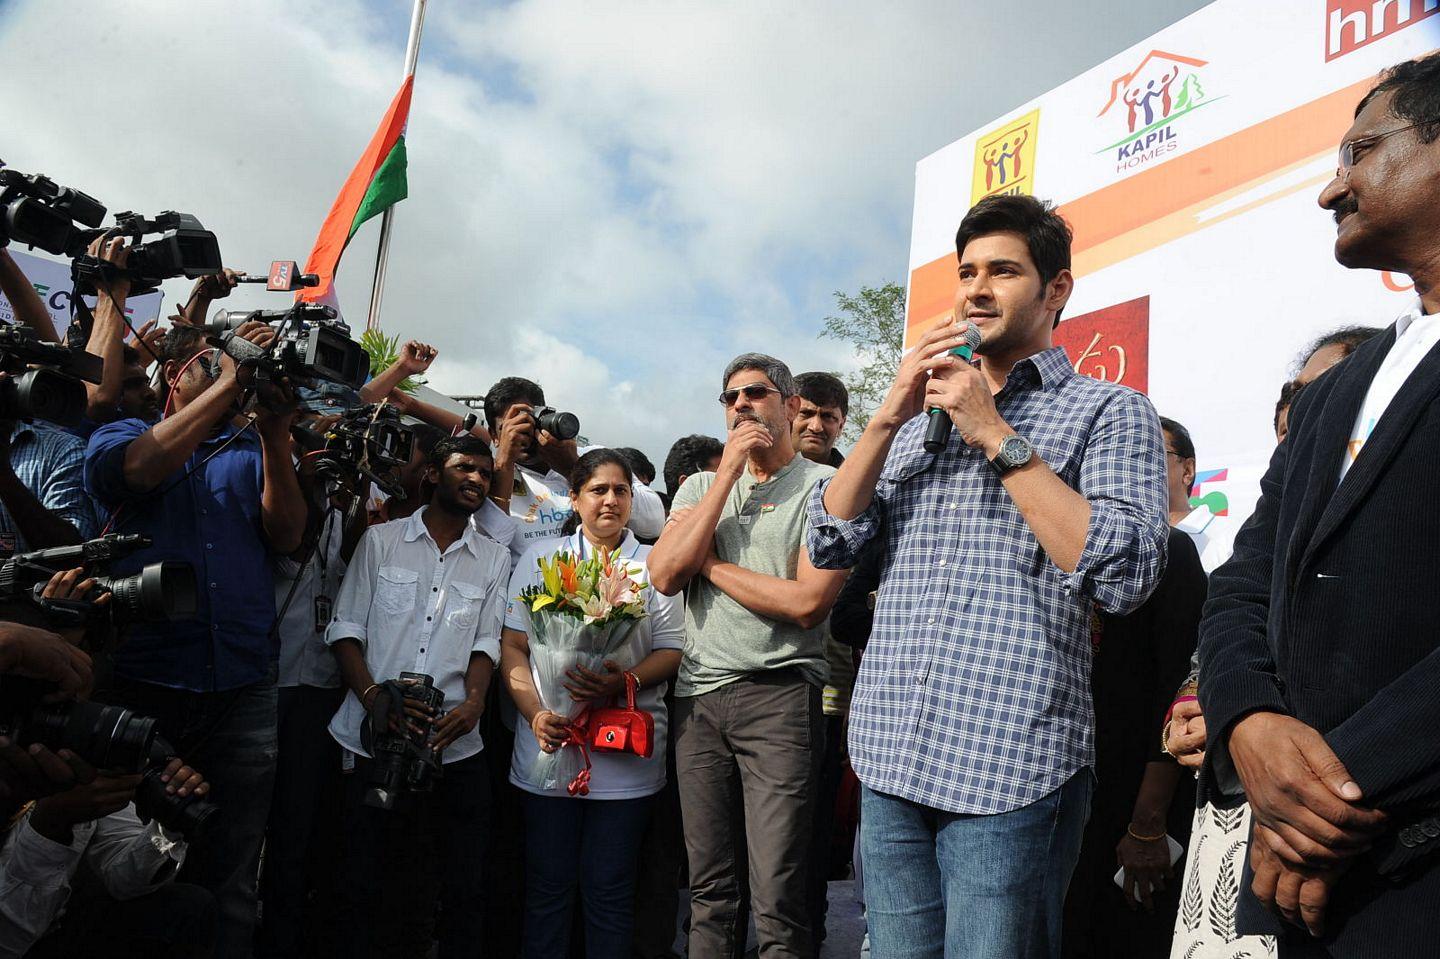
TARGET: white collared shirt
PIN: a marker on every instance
(614, 775)
(305, 658)
(1415, 335)
(415, 610)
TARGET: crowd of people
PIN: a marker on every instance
(1003, 660)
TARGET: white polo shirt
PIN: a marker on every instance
(414, 609)
(1415, 335)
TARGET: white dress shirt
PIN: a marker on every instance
(130, 858)
(305, 659)
(1415, 335)
(414, 610)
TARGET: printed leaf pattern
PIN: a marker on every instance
(1226, 895)
(1228, 820)
(1192, 902)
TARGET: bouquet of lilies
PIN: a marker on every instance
(581, 613)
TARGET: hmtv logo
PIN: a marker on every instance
(1352, 24)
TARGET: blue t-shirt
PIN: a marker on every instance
(211, 520)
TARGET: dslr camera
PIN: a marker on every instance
(562, 426)
(403, 762)
(45, 378)
(159, 592)
(368, 442)
(107, 737)
(311, 343)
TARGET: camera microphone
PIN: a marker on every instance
(937, 433)
(284, 277)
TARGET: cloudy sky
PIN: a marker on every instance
(612, 198)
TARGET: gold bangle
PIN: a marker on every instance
(367, 693)
(1135, 835)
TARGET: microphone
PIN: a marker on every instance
(937, 433)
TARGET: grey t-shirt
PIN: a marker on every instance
(761, 528)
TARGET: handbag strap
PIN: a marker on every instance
(632, 685)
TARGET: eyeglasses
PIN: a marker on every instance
(1347, 149)
(754, 392)
(1175, 454)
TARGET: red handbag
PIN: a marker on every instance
(617, 729)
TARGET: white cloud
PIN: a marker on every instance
(610, 198)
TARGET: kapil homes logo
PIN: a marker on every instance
(1147, 102)
(1005, 159)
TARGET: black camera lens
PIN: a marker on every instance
(562, 426)
(160, 591)
(43, 395)
(106, 737)
(188, 815)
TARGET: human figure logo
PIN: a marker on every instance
(1162, 89)
(1005, 159)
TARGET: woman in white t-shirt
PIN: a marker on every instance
(590, 841)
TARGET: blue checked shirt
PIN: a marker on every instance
(974, 692)
(49, 462)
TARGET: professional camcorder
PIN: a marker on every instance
(368, 442)
(37, 211)
(403, 761)
(53, 391)
(160, 591)
(109, 738)
(562, 426)
(183, 248)
(311, 344)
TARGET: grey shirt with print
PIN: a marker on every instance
(762, 528)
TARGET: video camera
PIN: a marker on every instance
(368, 442)
(36, 211)
(160, 591)
(183, 248)
(53, 392)
(311, 343)
(107, 737)
(403, 761)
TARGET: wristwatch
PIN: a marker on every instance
(1015, 451)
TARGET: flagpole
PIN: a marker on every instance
(382, 255)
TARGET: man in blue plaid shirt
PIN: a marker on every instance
(971, 727)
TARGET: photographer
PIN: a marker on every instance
(42, 495)
(124, 390)
(224, 499)
(423, 595)
(137, 910)
(39, 654)
(531, 466)
(304, 814)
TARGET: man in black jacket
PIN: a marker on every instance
(1319, 652)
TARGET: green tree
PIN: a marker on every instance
(873, 323)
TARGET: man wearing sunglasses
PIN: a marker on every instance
(1319, 654)
(749, 725)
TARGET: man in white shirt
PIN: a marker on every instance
(425, 594)
(532, 469)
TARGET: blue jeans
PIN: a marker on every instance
(589, 843)
(940, 884)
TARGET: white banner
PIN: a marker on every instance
(51, 279)
(1188, 167)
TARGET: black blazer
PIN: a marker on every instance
(1327, 611)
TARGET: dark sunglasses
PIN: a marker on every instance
(754, 392)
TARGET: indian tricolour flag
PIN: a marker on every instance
(377, 181)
